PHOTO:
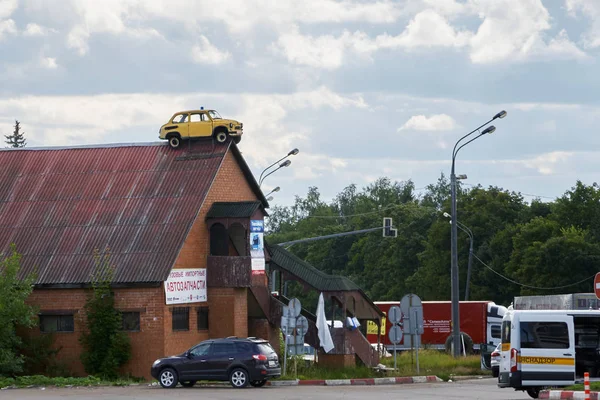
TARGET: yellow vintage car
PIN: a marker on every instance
(200, 123)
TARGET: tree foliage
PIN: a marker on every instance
(14, 312)
(106, 346)
(535, 246)
(17, 138)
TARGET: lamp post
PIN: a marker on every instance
(284, 164)
(291, 153)
(454, 233)
(273, 191)
(468, 231)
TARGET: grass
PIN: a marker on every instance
(40, 380)
(594, 387)
(431, 362)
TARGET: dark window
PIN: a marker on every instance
(219, 239)
(181, 318)
(506, 332)
(130, 321)
(203, 318)
(200, 350)
(243, 347)
(496, 331)
(222, 349)
(544, 335)
(57, 323)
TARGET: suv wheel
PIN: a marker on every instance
(221, 137)
(238, 378)
(174, 141)
(168, 378)
(258, 383)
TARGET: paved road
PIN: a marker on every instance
(473, 389)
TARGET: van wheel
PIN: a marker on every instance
(221, 136)
(174, 141)
(533, 392)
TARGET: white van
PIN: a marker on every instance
(548, 348)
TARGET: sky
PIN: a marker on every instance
(364, 89)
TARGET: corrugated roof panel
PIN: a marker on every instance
(58, 205)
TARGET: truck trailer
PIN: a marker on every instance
(481, 320)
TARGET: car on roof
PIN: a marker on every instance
(242, 362)
(191, 124)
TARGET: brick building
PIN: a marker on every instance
(159, 211)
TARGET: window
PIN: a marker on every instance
(496, 331)
(180, 118)
(205, 118)
(222, 349)
(130, 321)
(243, 347)
(181, 318)
(202, 318)
(200, 350)
(195, 117)
(506, 332)
(544, 335)
(57, 323)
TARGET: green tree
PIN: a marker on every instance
(14, 312)
(106, 346)
(17, 139)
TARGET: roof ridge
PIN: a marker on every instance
(86, 146)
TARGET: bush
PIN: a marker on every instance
(40, 356)
(106, 346)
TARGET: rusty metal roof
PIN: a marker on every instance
(233, 209)
(59, 204)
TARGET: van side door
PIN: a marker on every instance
(547, 350)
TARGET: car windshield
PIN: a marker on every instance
(214, 115)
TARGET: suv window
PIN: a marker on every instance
(200, 350)
(243, 347)
(544, 335)
(265, 348)
(223, 348)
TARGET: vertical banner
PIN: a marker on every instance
(257, 246)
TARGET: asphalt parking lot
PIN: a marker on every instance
(471, 389)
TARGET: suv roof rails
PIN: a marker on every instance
(251, 337)
(231, 337)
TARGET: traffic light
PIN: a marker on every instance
(388, 231)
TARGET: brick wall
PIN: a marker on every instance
(147, 344)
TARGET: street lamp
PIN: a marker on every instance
(468, 231)
(291, 153)
(273, 191)
(454, 232)
(284, 164)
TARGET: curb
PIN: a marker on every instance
(357, 382)
(566, 395)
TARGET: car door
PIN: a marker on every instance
(223, 355)
(200, 125)
(547, 354)
(195, 367)
(181, 122)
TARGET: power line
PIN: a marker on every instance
(530, 286)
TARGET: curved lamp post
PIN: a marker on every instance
(454, 231)
(284, 164)
(273, 191)
(291, 153)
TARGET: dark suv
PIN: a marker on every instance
(239, 361)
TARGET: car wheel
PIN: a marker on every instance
(168, 378)
(533, 392)
(221, 137)
(258, 383)
(238, 378)
(174, 141)
(188, 384)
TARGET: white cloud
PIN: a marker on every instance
(547, 163)
(591, 10)
(49, 63)
(7, 7)
(205, 53)
(7, 27)
(439, 122)
(37, 30)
